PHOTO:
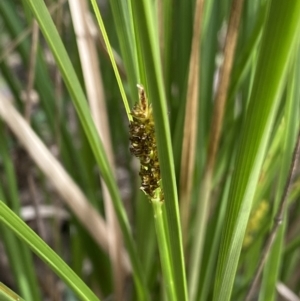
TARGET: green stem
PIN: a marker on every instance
(111, 56)
(7, 294)
(163, 248)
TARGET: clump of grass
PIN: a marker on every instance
(171, 48)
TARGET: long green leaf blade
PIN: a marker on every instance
(12, 221)
(154, 81)
(281, 31)
(272, 267)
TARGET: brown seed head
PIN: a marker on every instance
(143, 144)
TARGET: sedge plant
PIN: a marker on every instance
(205, 94)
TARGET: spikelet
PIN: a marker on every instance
(143, 145)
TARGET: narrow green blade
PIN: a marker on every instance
(281, 31)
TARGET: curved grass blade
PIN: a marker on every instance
(111, 56)
(39, 247)
(7, 294)
(21, 261)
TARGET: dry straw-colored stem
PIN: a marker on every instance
(62, 182)
(217, 120)
(190, 124)
(96, 98)
(277, 220)
(285, 292)
(225, 73)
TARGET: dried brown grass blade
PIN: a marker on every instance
(62, 182)
(202, 210)
(225, 73)
(190, 124)
(96, 98)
